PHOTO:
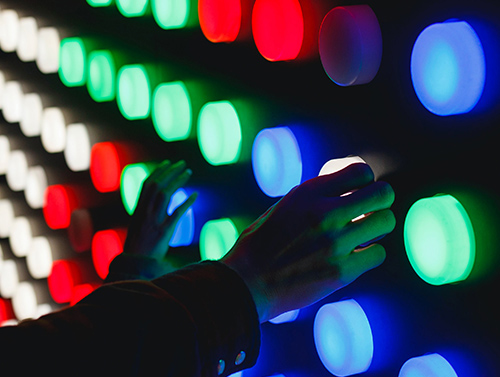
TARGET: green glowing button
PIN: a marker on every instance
(101, 76)
(171, 111)
(99, 3)
(133, 176)
(134, 92)
(217, 237)
(219, 133)
(171, 14)
(439, 240)
(72, 62)
(132, 8)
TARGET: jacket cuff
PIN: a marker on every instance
(224, 312)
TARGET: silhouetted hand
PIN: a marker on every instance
(306, 245)
(151, 228)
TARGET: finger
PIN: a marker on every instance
(162, 167)
(369, 228)
(169, 175)
(180, 211)
(361, 261)
(165, 196)
(372, 198)
(348, 179)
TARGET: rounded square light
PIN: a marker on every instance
(172, 112)
(431, 365)
(448, 68)
(132, 8)
(132, 179)
(184, 230)
(101, 80)
(220, 21)
(134, 92)
(276, 161)
(170, 14)
(217, 237)
(343, 338)
(439, 240)
(73, 62)
(219, 133)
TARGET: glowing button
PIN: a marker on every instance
(276, 160)
(132, 179)
(217, 237)
(281, 38)
(106, 245)
(439, 240)
(343, 338)
(59, 201)
(219, 133)
(101, 81)
(171, 14)
(220, 20)
(448, 68)
(184, 230)
(350, 45)
(73, 62)
(172, 113)
(432, 365)
(132, 8)
(134, 92)
(99, 3)
(64, 276)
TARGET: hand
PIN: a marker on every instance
(306, 245)
(151, 228)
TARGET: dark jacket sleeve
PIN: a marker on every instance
(191, 322)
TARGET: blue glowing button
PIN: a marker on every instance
(343, 338)
(289, 316)
(439, 240)
(184, 230)
(432, 365)
(448, 68)
(276, 161)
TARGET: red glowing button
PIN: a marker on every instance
(6, 311)
(65, 275)
(106, 245)
(278, 28)
(221, 20)
(81, 291)
(107, 161)
(60, 201)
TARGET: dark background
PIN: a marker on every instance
(419, 153)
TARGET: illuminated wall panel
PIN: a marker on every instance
(424, 120)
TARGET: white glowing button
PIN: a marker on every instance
(49, 42)
(78, 147)
(17, 170)
(39, 259)
(12, 101)
(53, 130)
(28, 39)
(9, 278)
(6, 217)
(350, 45)
(343, 338)
(4, 153)
(24, 301)
(31, 117)
(2, 87)
(431, 365)
(339, 164)
(9, 30)
(20, 236)
(36, 184)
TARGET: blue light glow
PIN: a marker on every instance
(276, 161)
(184, 231)
(343, 338)
(448, 68)
(432, 365)
(286, 317)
